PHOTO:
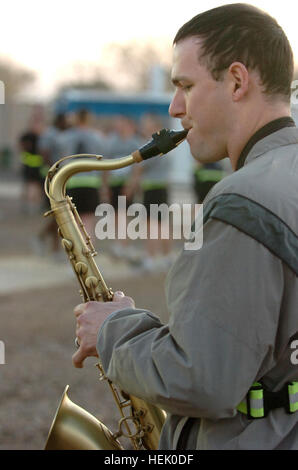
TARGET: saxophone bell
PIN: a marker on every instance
(73, 428)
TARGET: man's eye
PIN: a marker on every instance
(187, 87)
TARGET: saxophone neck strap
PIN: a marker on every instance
(259, 401)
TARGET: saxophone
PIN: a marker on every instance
(73, 428)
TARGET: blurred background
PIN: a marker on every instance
(102, 69)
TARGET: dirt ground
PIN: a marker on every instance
(37, 327)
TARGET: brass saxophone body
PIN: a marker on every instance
(73, 427)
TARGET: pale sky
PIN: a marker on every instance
(48, 36)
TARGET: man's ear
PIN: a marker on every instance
(239, 77)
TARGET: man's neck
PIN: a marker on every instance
(247, 127)
(265, 131)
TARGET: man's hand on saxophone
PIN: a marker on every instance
(90, 317)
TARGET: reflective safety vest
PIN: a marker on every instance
(259, 401)
(209, 174)
(31, 159)
(148, 185)
(84, 181)
(44, 170)
(117, 181)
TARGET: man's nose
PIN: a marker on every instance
(177, 106)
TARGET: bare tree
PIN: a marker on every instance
(85, 76)
(130, 65)
(122, 66)
(14, 77)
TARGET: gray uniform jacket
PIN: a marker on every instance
(233, 307)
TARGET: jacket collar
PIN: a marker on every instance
(260, 142)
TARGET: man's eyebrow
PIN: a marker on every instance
(177, 80)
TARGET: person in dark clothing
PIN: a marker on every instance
(205, 177)
(32, 163)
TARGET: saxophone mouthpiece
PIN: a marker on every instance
(162, 142)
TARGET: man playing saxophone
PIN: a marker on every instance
(221, 368)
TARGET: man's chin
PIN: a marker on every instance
(203, 158)
(201, 153)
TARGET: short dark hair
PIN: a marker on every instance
(29, 142)
(243, 33)
(60, 121)
(82, 116)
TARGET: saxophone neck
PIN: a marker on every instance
(59, 175)
(162, 142)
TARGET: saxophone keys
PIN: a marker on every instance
(91, 282)
(81, 293)
(81, 268)
(67, 244)
(48, 213)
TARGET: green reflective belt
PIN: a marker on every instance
(148, 185)
(259, 401)
(44, 170)
(78, 181)
(117, 181)
(32, 160)
(209, 175)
